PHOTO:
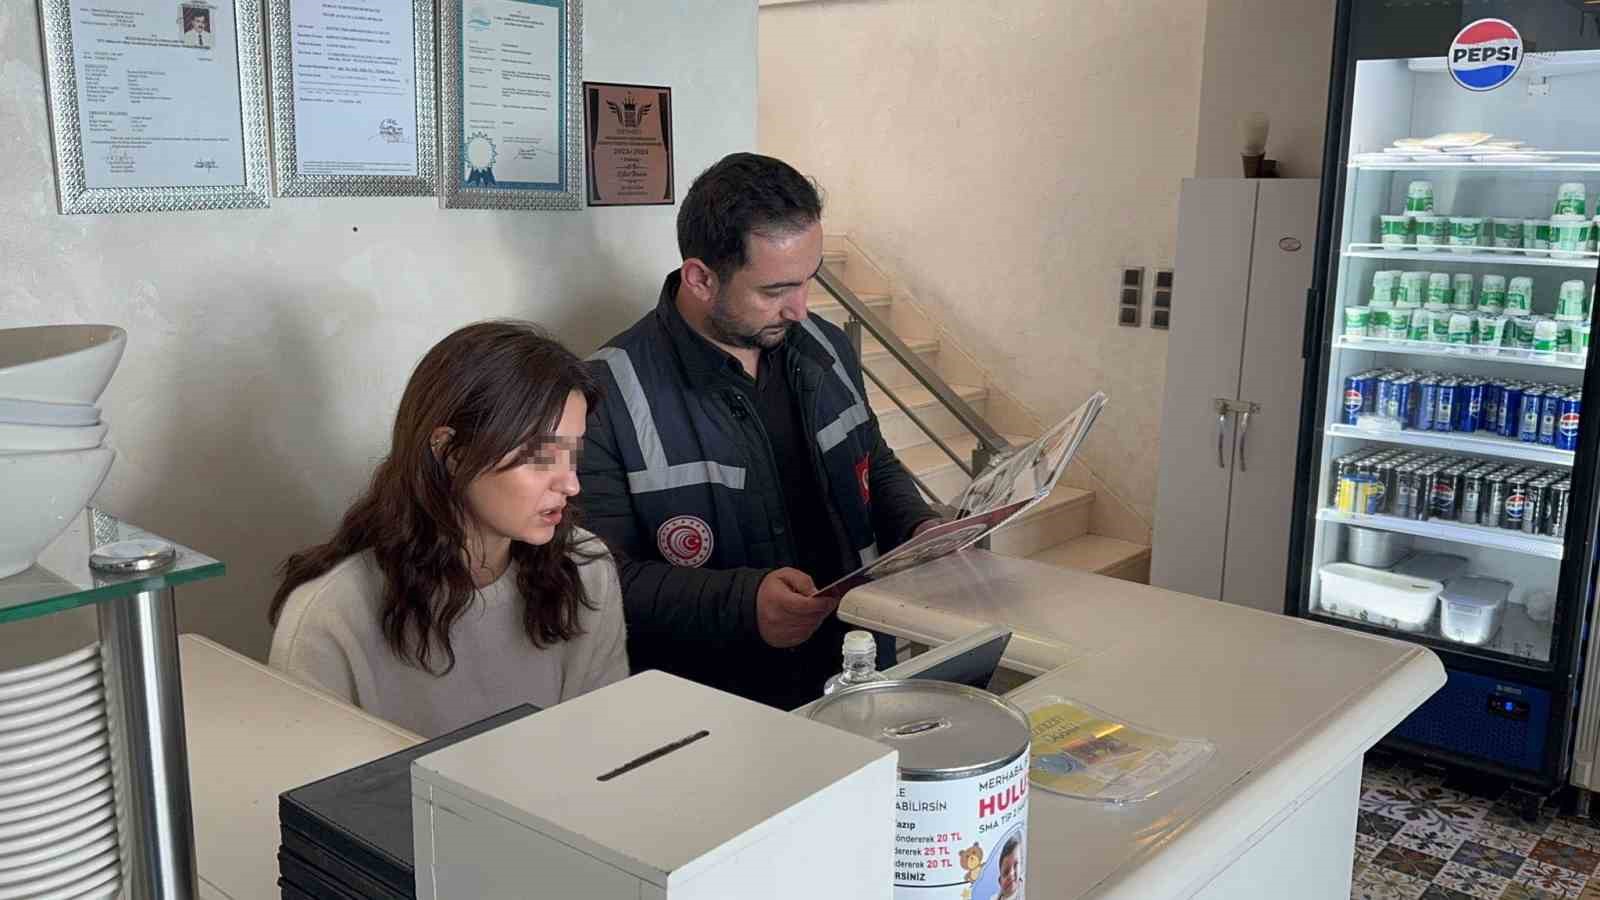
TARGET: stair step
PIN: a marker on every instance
(1062, 516)
(898, 429)
(1101, 555)
(887, 368)
(822, 303)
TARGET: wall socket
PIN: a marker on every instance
(1130, 297)
(1161, 300)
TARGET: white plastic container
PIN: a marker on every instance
(1440, 567)
(1379, 597)
(1471, 608)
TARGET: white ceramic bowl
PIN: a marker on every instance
(32, 412)
(50, 438)
(66, 845)
(28, 673)
(43, 492)
(59, 363)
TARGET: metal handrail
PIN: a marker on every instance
(991, 443)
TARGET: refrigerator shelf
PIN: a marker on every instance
(1478, 443)
(1481, 256)
(1588, 162)
(1575, 361)
(1476, 535)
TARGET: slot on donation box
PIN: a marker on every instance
(656, 787)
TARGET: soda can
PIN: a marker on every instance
(1444, 409)
(1516, 505)
(1427, 402)
(1446, 494)
(1469, 405)
(1384, 472)
(1355, 393)
(1528, 418)
(1360, 494)
(1469, 505)
(1508, 418)
(1492, 502)
(1549, 413)
(1408, 493)
(1534, 510)
(1491, 404)
(1558, 507)
(1567, 415)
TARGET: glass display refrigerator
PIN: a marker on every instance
(1446, 485)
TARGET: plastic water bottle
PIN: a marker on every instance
(860, 663)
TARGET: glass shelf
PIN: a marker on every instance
(1445, 530)
(1484, 256)
(62, 579)
(1463, 352)
(1479, 442)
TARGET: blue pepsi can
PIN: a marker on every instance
(1549, 413)
(1356, 388)
(1528, 417)
(1469, 405)
(1444, 410)
(1570, 410)
(1427, 402)
(1508, 418)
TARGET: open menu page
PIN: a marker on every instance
(997, 496)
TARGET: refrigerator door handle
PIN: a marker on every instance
(1223, 407)
(1245, 411)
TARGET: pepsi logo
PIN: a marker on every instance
(1569, 423)
(1485, 54)
(1353, 400)
(1514, 505)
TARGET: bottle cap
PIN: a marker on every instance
(860, 642)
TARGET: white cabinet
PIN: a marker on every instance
(1231, 414)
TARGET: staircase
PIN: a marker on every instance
(1060, 530)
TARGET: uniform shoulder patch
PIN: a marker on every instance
(685, 541)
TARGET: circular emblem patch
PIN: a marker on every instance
(685, 541)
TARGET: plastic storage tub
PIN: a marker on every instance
(1471, 609)
(1379, 597)
(1433, 566)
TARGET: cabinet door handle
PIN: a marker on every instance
(1221, 406)
(1245, 410)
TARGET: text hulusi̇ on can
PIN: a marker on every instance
(962, 802)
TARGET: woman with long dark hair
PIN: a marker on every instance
(458, 584)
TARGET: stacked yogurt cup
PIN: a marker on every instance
(52, 452)
(1569, 233)
(58, 819)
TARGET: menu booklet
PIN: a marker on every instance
(1007, 489)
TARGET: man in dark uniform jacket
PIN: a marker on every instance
(734, 465)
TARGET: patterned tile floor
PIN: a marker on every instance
(1420, 837)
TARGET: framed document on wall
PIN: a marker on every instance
(510, 127)
(156, 104)
(628, 131)
(353, 98)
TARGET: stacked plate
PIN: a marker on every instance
(58, 814)
(1455, 147)
(52, 457)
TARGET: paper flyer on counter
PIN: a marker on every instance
(1082, 752)
(1009, 487)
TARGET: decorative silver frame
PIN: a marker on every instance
(61, 93)
(453, 193)
(285, 155)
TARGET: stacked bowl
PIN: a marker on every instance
(58, 813)
(52, 457)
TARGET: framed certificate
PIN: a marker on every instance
(157, 104)
(509, 74)
(353, 98)
(628, 130)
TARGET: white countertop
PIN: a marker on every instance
(253, 734)
(1288, 704)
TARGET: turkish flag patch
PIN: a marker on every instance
(863, 467)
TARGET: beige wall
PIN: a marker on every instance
(1002, 161)
(268, 349)
(1268, 56)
